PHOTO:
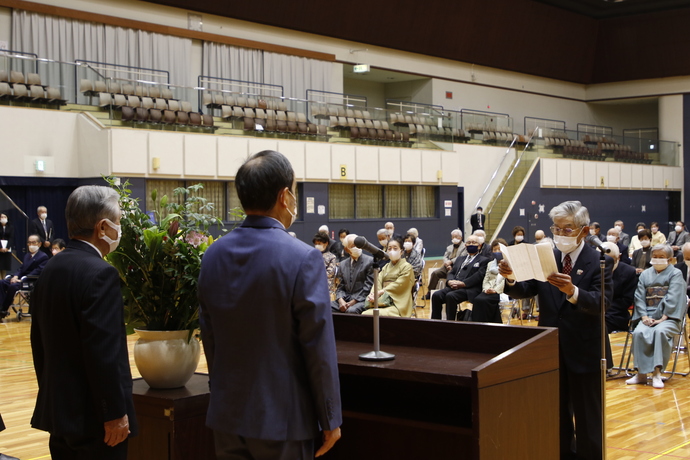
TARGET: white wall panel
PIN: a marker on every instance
(389, 165)
(341, 156)
(548, 172)
(431, 164)
(168, 147)
(232, 152)
(677, 178)
(626, 175)
(577, 169)
(647, 177)
(317, 163)
(367, 164)
(450, 163)
(636, 175)
(411, 165)
(129, 151)
(200, 154)
(658, 177)
(93, 147)
(602, 174)
(614, 175)
(294, 151)
(259, 145)
(563, 173)
(589, 175)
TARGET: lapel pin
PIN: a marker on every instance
(579, 272)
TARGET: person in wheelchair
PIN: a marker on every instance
(33, 264)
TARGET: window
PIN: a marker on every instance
(341, 201)
(397, 201)
(347, 201)
(213, 191)
(369, 201)
(424, 201)
(163, 188)
(233, 202)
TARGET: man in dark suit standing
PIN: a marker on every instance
(356, 277)
(570, 301)
(267, 327)
(464, 281)
(477, 219)
(43, 227)
(78, 337)
(32, 265)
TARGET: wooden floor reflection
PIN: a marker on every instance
(643, 423)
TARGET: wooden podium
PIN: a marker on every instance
(455, 390)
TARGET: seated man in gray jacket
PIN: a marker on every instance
(355, 278)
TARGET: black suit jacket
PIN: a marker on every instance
(638, 254)
(356, 278)
(624, 285)
(474, 222)
(79, 345)
(471, 274)
(624, 253)
(36, 228)
(7, 233)
(32, 266)
(579, 326)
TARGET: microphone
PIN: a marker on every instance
(363, 244)
(596, 242)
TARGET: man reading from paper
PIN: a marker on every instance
(570, 301)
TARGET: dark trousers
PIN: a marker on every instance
(451, 297)
(485, 308)
(234, 447)
(85, 448)
(436, 275)
(580, 397)
(7, 292)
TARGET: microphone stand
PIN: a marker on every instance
(602, 267)
(377, 354)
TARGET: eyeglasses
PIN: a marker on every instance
(565, 231)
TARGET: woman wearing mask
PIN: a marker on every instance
(485, 307)
(411, 255)
(660, 303)
(635, 240)
(657, 236)
(641, 258)
(394, 284)
(330, 261)
(6, 245)
(518, 235)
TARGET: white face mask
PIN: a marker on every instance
(565, 244)
(407, 245)
(44, 216)
(455, 241)
(619, 228)
(3, 221)
(293, 214)
(394, 255)
(33, 249)
(480, 240)
(645, 243)
(678, 229)
(112, 244)
(342, 241)
(659, 264)
(655, 229)
(611, 238)
(320, 247)
(519, 238)
(592, 231)
(356, 252)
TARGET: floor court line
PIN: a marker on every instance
(670, 450)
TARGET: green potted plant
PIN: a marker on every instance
(159, 261)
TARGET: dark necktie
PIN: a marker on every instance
(567, 265)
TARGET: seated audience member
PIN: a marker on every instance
(660, 304)
(613, 236)
(518, 235)
(382, 236)
(657, 236)
(464, 281)
(624, 237)
(635, 240)
(595, 230)
(678, 237)
(390, 230)
(485, 307)
(394, 285)
(355, 278)
(484, 249)
(338, 249)
(419, 244)
(33, 265)
(327, 233)
(321, 243)
(411, 255)
(624, 281)
(452, 252)
(58, 246)
(683, 264)
(642, 257)
(538, 236)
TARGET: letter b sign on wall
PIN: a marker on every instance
(343, 171)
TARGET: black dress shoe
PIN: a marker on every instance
(7, 457)
(427, 296)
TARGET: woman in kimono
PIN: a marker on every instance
(660, 303)
(329, 260)
(394, 284)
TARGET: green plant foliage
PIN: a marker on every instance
(159, 260)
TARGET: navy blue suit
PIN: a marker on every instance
(32, 266)
(579, 340)
(267, 330)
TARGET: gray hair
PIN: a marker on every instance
(88, 205)
(457, 231)
(381, 231)
(413, 231)
(572, 209)
(663, 247)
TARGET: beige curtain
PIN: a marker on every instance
(369, 201)
(341, 201)
(214, 192)
(233, 202)
(397, 201)
(162, 187)
(424, 201)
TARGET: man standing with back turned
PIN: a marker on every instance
(78, 337)
(570, 300)
(267, 328)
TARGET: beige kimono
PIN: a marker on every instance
(397, 280)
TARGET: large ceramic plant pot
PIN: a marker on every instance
(166, 359)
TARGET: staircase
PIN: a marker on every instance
(506, 191)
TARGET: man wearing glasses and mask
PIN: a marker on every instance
(570, 301)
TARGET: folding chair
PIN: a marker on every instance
(22, 298)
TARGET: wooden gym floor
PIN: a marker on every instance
(643, 423)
